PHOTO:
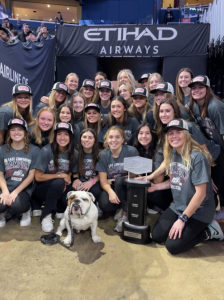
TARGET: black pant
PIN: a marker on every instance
(20, 205)
(161, 199)
(96, 190)
(217, 175)
(53, 194)
(121, 191)
(193, 233)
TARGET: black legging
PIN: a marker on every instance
(53, 194)
(193, 233)
(96, 190)
(217, 175)
(121, 190)
(20, 205)
(161, 199)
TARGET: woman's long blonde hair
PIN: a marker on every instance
(36, 131)
(52, 104)
(72, 101)
(28, 116)
(134, 113)
(160, 78)
(93, 97)
(130, 76)
(179, 91)
(188, 146)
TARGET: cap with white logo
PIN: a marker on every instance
(200, 79)
(107, 84)
(64, 125)
(21, 88)
(164, 87)
(92, 106)
(144, 76)
(140, 91)
(17, 121)
(60, 86)
(89, 82)
(176, 123)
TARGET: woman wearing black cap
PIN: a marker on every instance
(57, 97)
(55, 165)
(88, 90)
(17, 168)
(144, 80)
(19, 107)
(189, 219)
(92, 118)
(106, 94)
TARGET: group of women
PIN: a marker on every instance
(77, 140)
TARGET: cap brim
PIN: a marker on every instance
(96, 108)
(31, 94)
(139, 94)
(89, 85)
(192, 83)
(165, 130)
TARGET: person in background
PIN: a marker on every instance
(127, 76)
(125, 90)
(14, 34)
(43, 34)
(18, 25)
(24, 33)
(168, 16)
(78, 105)
(153, 81)
(144, 80)
(41, 26)
(31, 37)
(92, 118)
(183, 92)
(98, 77)
(8, 24)
(106, 94)
(88, 90)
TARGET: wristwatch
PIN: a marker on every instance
(59, 175)
(185, 217)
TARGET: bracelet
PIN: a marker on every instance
(180, 217)
(59, 175)
(93, 181)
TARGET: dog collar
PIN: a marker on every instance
(87, 210)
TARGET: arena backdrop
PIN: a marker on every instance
(31, 63)
(145, 48)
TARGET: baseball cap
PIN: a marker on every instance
(89, 82)
(17, 121)
(60, 86)
(21, 88)
(7, 31)
(176, 123)
(64, 125)
(107, 84)
(164, 87)
(200, 79)
(140, 91)
(92, 106)
(144, 76)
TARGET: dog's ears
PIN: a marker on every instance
(91, 196)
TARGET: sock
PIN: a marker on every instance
(124, 218)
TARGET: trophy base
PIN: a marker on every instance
(136, 234)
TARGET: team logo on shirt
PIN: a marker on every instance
(139, 90)
(18, 173)
(160, 86)
(63, 86)
(90, 82)
(23, 88)
(178, 175)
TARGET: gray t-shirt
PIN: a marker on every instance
(183, 182)
(129, 131)
(6, 114)
(114, 167)
(186, 99)
(89, 170)
(38, 107)
(16, 167)
(150, 119)
(45, 161)
(104, 111)
(151, 99)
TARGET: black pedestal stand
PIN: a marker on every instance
(135, 230)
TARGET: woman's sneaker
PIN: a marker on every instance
(118, 215)
(26, 218)
(219, 216)
(36, 212)
(59, 215)
(215, 231)
(118, 227)
(47, 224)
(2, 220)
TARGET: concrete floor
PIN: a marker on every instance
(113, 269)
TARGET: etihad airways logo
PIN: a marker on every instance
(100, 34)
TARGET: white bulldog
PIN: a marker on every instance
(83, 214)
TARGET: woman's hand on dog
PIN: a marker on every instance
(76, 184)
(85, 186)
(113, 197)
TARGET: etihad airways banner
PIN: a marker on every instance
(133, 40)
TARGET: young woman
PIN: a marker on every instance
(78, 105)
(125, 90)
(119, 116)
(92, 118)
(153, 81)
(57, 97)
(88, 90)
(187, 221)
(144, 80)
(183, 79)
(106, 94)
(55, 165)
(19, 107)
(140, 106)
(209, 113)
(87, 178)
(127, 76)
(98, 77)
(17, 167)
(42, 132)
(65, 114)
(112, 174)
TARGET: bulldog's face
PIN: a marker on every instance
(79, 202)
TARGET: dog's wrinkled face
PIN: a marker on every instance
(79, 202)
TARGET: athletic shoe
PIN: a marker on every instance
(59, 215)
(118, 227)
(2, 219)
(219, 215)
(37, 212)
(47, 223)
(26, 218)
(119, 214)
(215, 231)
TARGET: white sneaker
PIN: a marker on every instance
(47, 223)
(215, 231)
(118, 215)
(219, 215)
(36, 212)
(59, 215)
(2, 219)
(118, 227)
(26, 218)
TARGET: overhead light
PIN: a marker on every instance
(50, 20)
(48, 5)
(25, 15)
(73, 20)
(67, 7)
(17, 14)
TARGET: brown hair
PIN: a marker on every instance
(115, 127)
(160, 78)
(134, 112)
(97, 125)
(72, 101)
(52, 104)
(25, 139)
(179, 91)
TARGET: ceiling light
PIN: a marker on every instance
(25, 15)
(50, 20)
(17, 14)
(73, 20)
(48, 5)
(67, 7)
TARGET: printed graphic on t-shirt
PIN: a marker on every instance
(207, 127)
(63, 166)
(88, 169)
(116, 170)
(17, 168)
(178, 175)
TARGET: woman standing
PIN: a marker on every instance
(88, 90)
(106, 94)
(126, 75)
(78, 105)
(188, 220)
(125, 90)
(17, 167)
(153, 81)
(19, 107)
(99, 76)
(144, 80)
(112, 174)
(55, 165)
(183, 91)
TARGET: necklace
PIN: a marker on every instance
(18, 151)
